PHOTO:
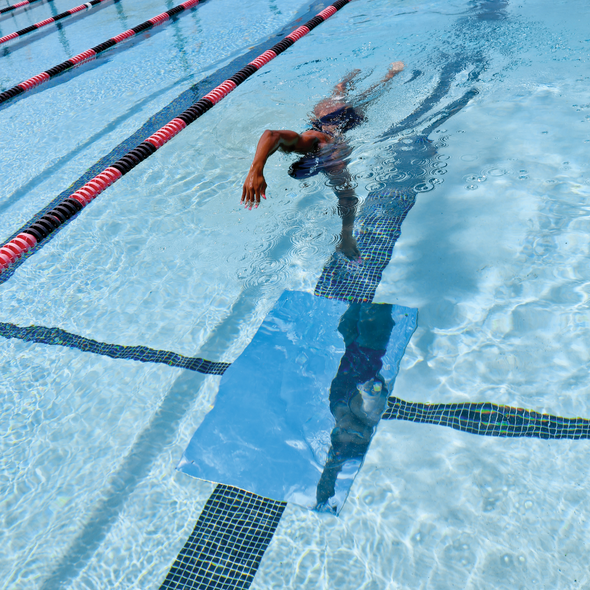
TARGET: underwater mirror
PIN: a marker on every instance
(296, 412)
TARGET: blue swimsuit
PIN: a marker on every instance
(344, 118)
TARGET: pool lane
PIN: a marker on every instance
(159, 129)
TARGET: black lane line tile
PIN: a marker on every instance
(489, 419)
(59, 337)
(227, 543)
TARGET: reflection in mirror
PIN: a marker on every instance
(358, 393)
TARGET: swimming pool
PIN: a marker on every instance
(492, 254)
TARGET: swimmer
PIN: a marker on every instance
(324, 149)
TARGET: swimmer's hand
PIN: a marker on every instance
(395, 68)
(254, 188)
(349, 248)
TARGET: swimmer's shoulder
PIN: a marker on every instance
(312, 139)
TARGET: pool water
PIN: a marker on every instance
(493, 255)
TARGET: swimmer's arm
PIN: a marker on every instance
(271, 141)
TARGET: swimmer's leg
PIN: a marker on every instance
(373, 92)
(341, 182)
(343, 86)
(339, 97)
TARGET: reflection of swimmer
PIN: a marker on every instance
(358, 392)
(324, 150)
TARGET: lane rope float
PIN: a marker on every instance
(92, 53)
(39, 230)
(51, 20)
(19, 5)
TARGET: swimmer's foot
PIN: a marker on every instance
(349, 248)
(395, 68)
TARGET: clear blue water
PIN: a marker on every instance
(494, 258)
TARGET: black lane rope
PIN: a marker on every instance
(51, 20)
(92, 53)
(19, 5)
(38, 231)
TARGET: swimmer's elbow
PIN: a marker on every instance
(283, 140)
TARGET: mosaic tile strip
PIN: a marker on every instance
(59, 337)
(379, 227)
(227, 543)
(489, 419)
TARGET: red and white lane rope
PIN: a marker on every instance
(18, 5)
(91, 53)
(39, 230)
(51, 20)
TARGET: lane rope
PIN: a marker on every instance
(19, 5)
(51, 20)
(90, 54)
(38, 231)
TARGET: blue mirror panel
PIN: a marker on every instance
(296, 412)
